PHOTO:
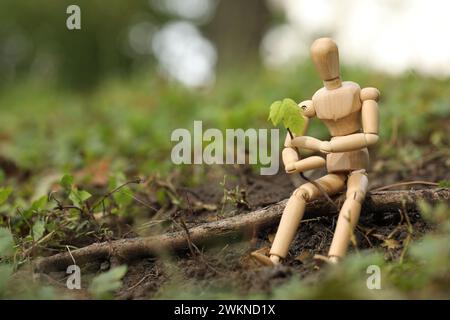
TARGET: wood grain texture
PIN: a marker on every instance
(325, 55)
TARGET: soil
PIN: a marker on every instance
(228, 265)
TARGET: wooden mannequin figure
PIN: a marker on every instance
(351, 116)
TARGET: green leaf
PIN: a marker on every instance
(66, 181)
(6, 242)
(84, 195)
(275, 114)
(4, 194)
(104, 285)
(78, 197)
(38, 229)
(40, 203)
(292, 118)
(288, 112)
(123, 197)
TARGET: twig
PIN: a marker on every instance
(56, 282)
(140, 201)
(107, 195)
(19, 211)
(151, 223)
(70, 253)
(310, 220)
(358, 228)
(396, 229)
(43, 239)
(60, 206)
(222, 250)
(188, 237)
(139, 282)
(192, 245)
(406, 183)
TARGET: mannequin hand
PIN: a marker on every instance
(325, 147)
(290, 167)
(306, 164)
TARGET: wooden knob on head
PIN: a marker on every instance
(325, 55)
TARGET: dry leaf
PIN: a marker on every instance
(391, 244)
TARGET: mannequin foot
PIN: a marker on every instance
(275, 259)
(320, 259)
(262, 258)
(334, 259)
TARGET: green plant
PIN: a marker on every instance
(287, 112)
(104, 285)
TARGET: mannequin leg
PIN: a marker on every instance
(357, 185)
(293, 213)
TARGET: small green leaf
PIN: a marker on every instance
(290, 104)
(288, 112)
(104, 285)
(292, 117)
(4, 194)
(6, 242)
(38, 229)
(66, 181)
(78, 197)
(39, 204)
(275, 114)
(84, 195)
(123, 197)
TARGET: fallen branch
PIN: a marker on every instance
(406, 183)
(127, 249)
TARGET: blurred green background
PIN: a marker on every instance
(137, 70)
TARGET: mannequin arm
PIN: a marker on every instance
(306, 164)
(351, 142)
(307, 142)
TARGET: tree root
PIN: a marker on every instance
(127, 249)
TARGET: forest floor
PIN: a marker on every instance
(226, 268)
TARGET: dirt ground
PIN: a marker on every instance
(228, 265)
